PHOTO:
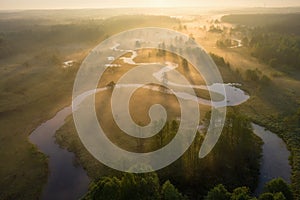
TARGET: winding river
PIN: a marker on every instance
(68, 180)
(275, 160)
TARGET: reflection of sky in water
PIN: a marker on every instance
(275, 161)
(65, 180)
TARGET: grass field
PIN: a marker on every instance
(34, 86)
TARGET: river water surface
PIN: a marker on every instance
(275, 160)
(66, 180)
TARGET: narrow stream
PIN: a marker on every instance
(275, 160)
(66, 180)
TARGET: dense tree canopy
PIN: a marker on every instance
(276, 189)
(169, 192)
(279, 185)
(218, 192)
(278, 50)
(128, 187)
(133, 187)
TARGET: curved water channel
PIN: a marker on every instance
(275, 160)
(66, 180)
(70, 181)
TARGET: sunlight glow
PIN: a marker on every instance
(58, 4)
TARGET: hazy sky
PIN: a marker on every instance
(51, 4)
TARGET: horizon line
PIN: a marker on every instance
(145, 7)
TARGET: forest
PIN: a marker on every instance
(193, 177)
(258, 53)
(148, 187)
(280, 51)
(272, 38)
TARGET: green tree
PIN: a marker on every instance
(130, 186)
(169, 192)
(252, 75)
(241, 193)
(279, 196)
(265, 80)
(271, 196)
(219, 192)
(106, 188)
(140, 186)
(266, 196)
(137, 44)
(185, 64)
(279, 185)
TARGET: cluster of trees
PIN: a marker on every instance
(43, 37)
(272, 38)
(180, 27)
(148, 187)
(215, 29)
(293, 121)
(275, 40)
(133, 187)
(256, 75)
(29, 38)
(219, 61)
(234, 160)
(280, 23)
(276, 189)
(161, 52)
(278, 50)
(237, 147)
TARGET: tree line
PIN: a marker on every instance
(148, 187)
